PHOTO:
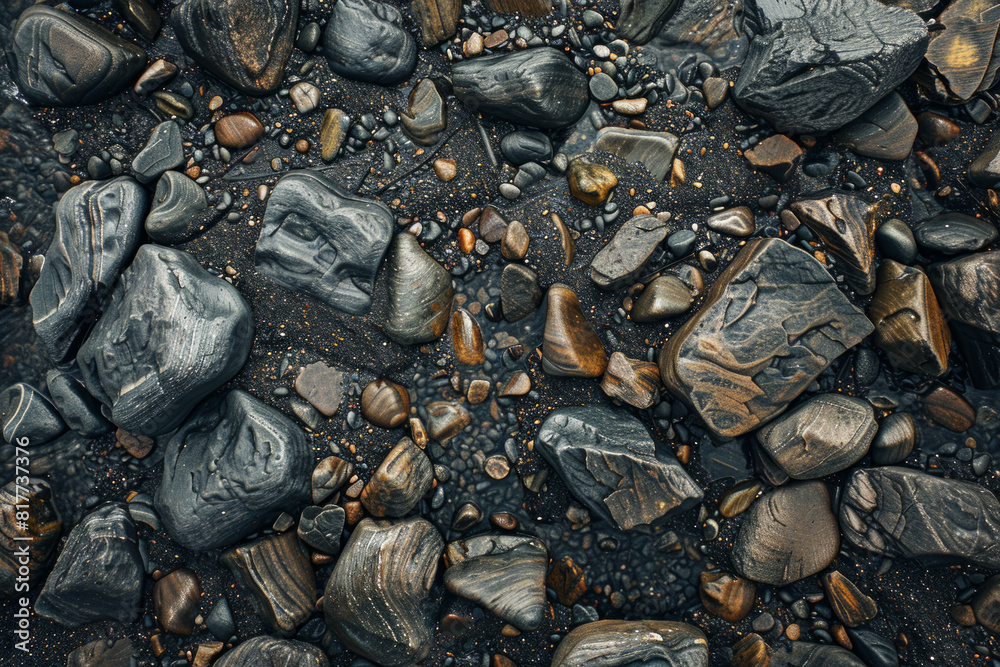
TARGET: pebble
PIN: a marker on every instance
(632, 107)
(333, 133)
(631, 381)
(399, 482)
(445, 169)
(420, 293)
(385, 403)
(176, 598)
(305, 96)
(174, 215)
(523, 146)
(602, 87)
(163, 151)
(571, 346)
(738, 222)
(663, 298)
(896, 241)
(590, 183)
(239, 130)
(954, 234)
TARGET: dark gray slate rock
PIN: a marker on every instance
(523, 146)
(954, 234)
(874, 649)
(323, 241)
(171, 335)
(806, 654)
(520, 294)
(26, 412)
(243, 42)
(163, 151)
(58, 58)
(80, 410)
(609, 462)
(654, 150)
(641, 20)
(98, 575)
(365, 40)
(273, 652)
(97, 233)
(895, 240)
(175, 215)
(229, 470)
(906, 513)
(377, 600)
(621, 261)
(819, 64)
(321, 527)
(420, 293)
(847, 226)
(886, 131)
(537, 87)
(614, 643)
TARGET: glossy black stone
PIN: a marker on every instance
(365, 40)
(523, 146)
(954, 234)
(163, 151)
(178, 210)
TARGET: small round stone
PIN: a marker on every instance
(603, 88)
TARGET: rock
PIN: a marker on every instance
(220, 620)
(985, 169)
(631, 381)
(539, 87)
(905, 513)
(163, 152)
(426, 116)
(514, 245)
(160, 348)
(98, 575)
(239, 130)
(967, 290)
(438, 19)
(894, 440)
(365, 40)
(654, 150)
(27, 416)
(954, 234)
(248, 55)
(665, 297)
(567, 580)
(753, 347)
(571, 346)
(446, 420)
(420, 294)
(949, 409)
(377, 600)
(232, 467)
(176, 598)
(520, 294)
(328, 476)
(609, 462)
(614, 643)
(34, 496)
(935, 129)
(385, 403)
(806, 654)
(895, 240)
(641, 20)
(787, 535)
(819, 64)
(101, 653)
(633, 107)
(305, 96)
(97, 232)
(59, 58)
(875, 650)
(156, 75)
(322, 241)
(141, 16)
(276, 576)
(847, 227)
(522, 7)
(493, 226)
(622, 260)
(522, 146)
(273, 652)
(320, 528)
(602, 87)
(751, 651)
(322, 386)
(826, 434)
(174, 216)
(400, 481)
(885, 132)
(777, 156)
(505, 574)
(964, 59)
(738, 222)
(909, 325)
(518, 384)
(467, 516)
(445, 169)
(726, 596)
(986, 604)
(11, 263)
(851, 606)
(565, 239)
(466, 338)
(333, 133)
(80, 411)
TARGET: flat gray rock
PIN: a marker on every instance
(654, 150)
(163, 151)
(622, 260)
(366, 40)
(80, 410)
(176, 213)
(27, 412)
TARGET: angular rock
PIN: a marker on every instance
(400, 481)
(665, 297)
(819, 64)
(851, 606)
(985, 169)
(97, 232)
(846, 225)
(963, 54)
(377, 600)
(727, 596)
(273, 652)
(98, 575)
(323, 241)
(43, 526)
(438, 19)
(229, 470)
(59, 58)
(654, 150)
(11, 263)
(787, 535)
(320, 528)
(641, 20)
(174, 216)
(171, 335)
(426, 116)
(163, 151)
(365, 40)
(176, 598)
(420, 293)
(631, 381)
(159, 73)
(492, 225)
(467, 338)
(571, 346)
(621, 261)
(755, 344)
(322, 386)
(954, 234)
(245, 43)
(590, 183)
(614, 643)
(27, 416)
(537, 87)
(777, 156)
(328, 476)
(885, 132)
(608, 461)
(904, 513)
(503, 573)
(80, 411)
(445, 420)
(520, 294)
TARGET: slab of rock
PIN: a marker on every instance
(322, 386)
(614, 643)
(229, 470)
(654, 150)
(322, 241)
(27, 412)
(98, 575)
(963, 55)
(377, 600)
(906, 513)
(787, 535)
(847, 227)
(609, 462)
(621, 261)
(97, 232)
(320, 528)
(420, 293)
(777, 156)
(171, 335)
(273, 652)
(756, 344)
(954, 234)
(399, 482)
(816, 65)
(365, 40)
(885, 132)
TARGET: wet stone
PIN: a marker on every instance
(894, 440)
(420, 293)
(80, 411)
(514, 245)
(320, 528)
(174, 215)
(590, 183)
(322, 386)
(329, 476)
(621, 261)
(954, 234)
(654, 150)
(438, 19)
(26, 412)
(523, 146)
(446, 420)
(365, 40)
(964, 60)
(885, 132)
(631, 381)
(519, 384)
(426, 116)
(520, 294)
(985, 169)
(43, 525)
(935, 129)
(609, 462)
(163, 152)
(948, 409)
(11, 264)
(617, 643)
(738, 222)
(400, 481)
(806, 654)
(305, 96)
(895, 240)
(467, 338)
(633, 107)
(176, 598)
(727, 596)
(266, 651)
(238, 130)
(385, 403)
(846, 225)
(641, 20)
(777, 156)
(571, 346)
(751, 651)
(323, 241)
(602, 87)
(851, 606)
(492, 225)
(333, 133)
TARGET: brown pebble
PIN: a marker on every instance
(936, 129)
(839, 633)
(851, 606)
(519, 384)
(385, 403)
(751, 651)
(777, 156)
(793, 631)
(466, 240)
(571, 346)
(479, 391)
(738, 498)
(565, 239)
(495, 39)
(467, 338)
(950, 410)
(138, 446)
(418, 432)
(353, 512)
(492, 225)
(302, 145)
(503, 521)
(176, 598)
(727, 596)
(567, 580)
(509, 630)
(590, 183)
(497, 466)
(238, 130)
(205, 654)
(445, 169)
(515, 242)
(632, 107)
(963, 615)
(631, 381)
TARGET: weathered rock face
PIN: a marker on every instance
(230, 468)
(826, 434)
(819, 64)
(322, 241)
(80, 411)
(365, 40)
(621, 261)
(787, 535)
(886, 131)
(97, 232)
(43, 525)
(848, 229)
(170, 336)
(756, 343)
(538, 87)
(609, 462)
(906, 513)
(175, 214)
(58, 58)
(243, 42)
(614, 643)
(377, 598)
(98, 575)
(272, 652)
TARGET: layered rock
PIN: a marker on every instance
(614, 643)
